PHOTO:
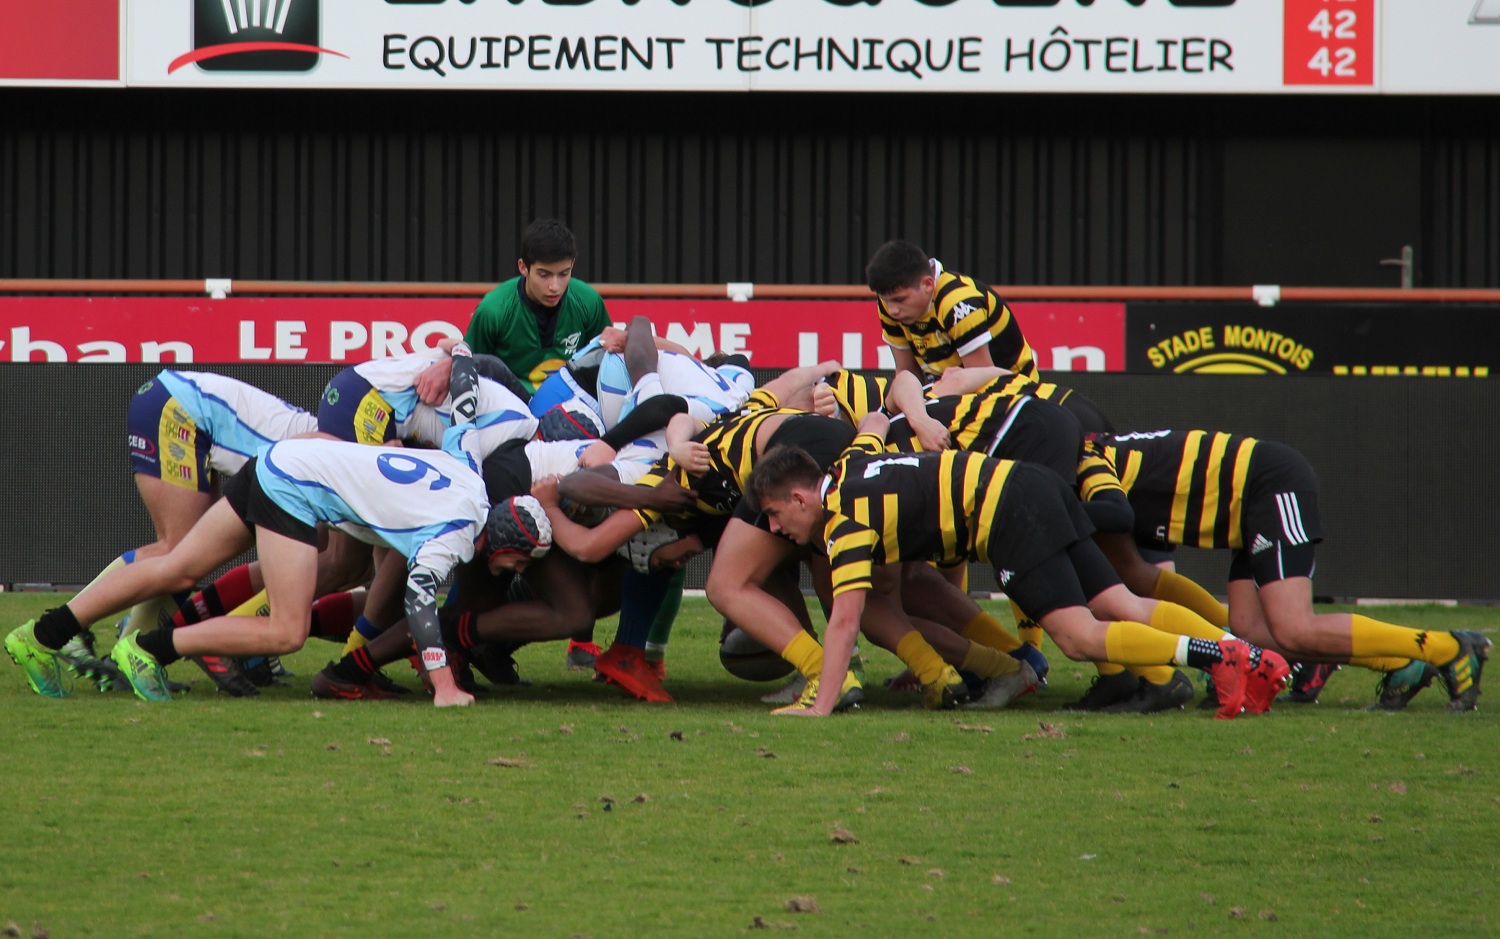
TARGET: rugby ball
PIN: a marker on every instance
(745, 658)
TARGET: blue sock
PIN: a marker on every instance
(641, 595)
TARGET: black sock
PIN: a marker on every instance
(55, 627)
(158, 643)
(1203, 653)
(356, 668)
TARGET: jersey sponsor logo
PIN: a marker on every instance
(1260, 544)
(142, 445)
(963, 310)
(875, 467)
(434, 658)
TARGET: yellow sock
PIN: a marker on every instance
(1371, 637)
(988, 663)
(1138, 644)
(1181, 621)
(1175, 588)
(806, 654)
(1030, 632)
(1155, 674)
(355, 641)
(1109, 668)
(920, 657)
(258, 605)
(109, 568)
(988, 631)
(1379, 663)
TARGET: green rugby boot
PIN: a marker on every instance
(146, 676)
(43, 669)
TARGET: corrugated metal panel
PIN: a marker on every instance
(789, 188)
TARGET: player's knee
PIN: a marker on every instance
(285, 636)
(1070, 644)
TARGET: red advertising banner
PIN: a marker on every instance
(773, 333)
(1329, 42)
(61, 40)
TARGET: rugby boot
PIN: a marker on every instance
(1266, 679)
(1461, 676)
(1395, 689)
(1150, 698)
(1104, 691)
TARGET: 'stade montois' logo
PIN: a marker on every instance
(254, 36)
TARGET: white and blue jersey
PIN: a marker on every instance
(423, 503)
(185, 427)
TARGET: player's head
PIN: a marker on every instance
(548, 252)
(900, 274)
(785, 486)
(516, 531)
(566, 422)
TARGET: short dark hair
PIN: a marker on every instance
(896, 264)
(777, 471)
(547, 240)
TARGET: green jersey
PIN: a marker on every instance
(505, 325)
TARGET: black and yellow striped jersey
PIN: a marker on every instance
(972, 420)
(1026, 385)
(731, 451)
(1185, 486)
(964, 316)
(881, 508)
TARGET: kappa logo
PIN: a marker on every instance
(1005, 577)
(254, 36)
(963, 310)
(1259, 544)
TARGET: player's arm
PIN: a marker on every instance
(979, 358)
(422, 582)
(966, 380)
(596, 489)
(905, 397)
(463, 384)
(795, 381)
(838, 648)
(590, 545)
(684, 450)
(905, 361)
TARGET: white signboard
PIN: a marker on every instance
(807, 45)
(1441, 46)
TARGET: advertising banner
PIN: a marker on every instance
(773, 333)
(804, 45)
(1441, 46)
(61, 42)
(1291, 339)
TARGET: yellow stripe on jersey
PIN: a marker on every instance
(850, 556)
(890, 514)
(947, 519)
(1241, 473)
(1211, 493)
(861, 512)
(981, 534)
(760, 399)
(1177, 524)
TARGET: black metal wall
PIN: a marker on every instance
(1150, 190)
(1404, 465)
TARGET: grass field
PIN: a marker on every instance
(566, 809)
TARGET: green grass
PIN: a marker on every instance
(282, 815)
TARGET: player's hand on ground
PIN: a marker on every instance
(693, 457)
(544, 490)
(432, 385)
(824, 402)
(456, 698)
(597, 453)
(931, 434)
